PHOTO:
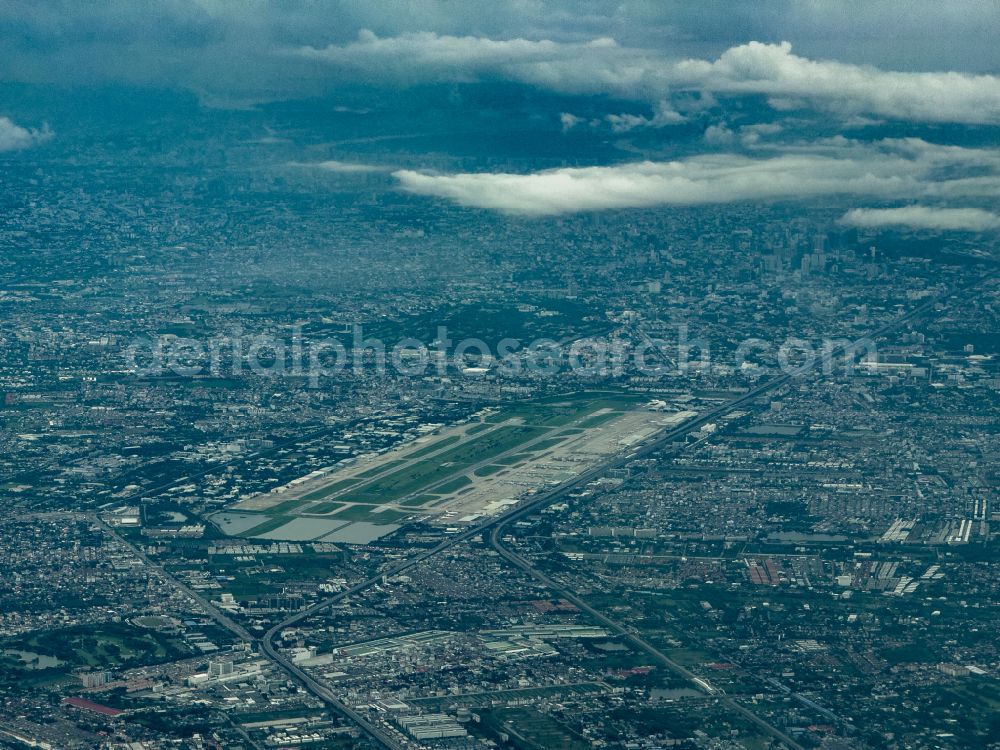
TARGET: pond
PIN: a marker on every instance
(31, 660)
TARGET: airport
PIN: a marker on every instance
(455, 476)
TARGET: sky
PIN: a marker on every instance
(849, 98)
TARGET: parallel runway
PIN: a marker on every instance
(496, 523)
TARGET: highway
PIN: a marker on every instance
(497, 523)
(209, 609)
(541, 500)
(633, 638)
(313, 686)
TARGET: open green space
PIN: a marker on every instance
(324, 508)
(330, 489)
(272, 523)
(381, 468)
(269, 574)
(288, 505)
(914, 652)
(370, 513)
(454, 485)
(435, 446)
(105, 645)
(688, 657)
(413, 477)
(446, 464)
(514, 458)
(544, 445)
(980, 692)
(419, 500)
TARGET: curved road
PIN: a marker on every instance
(643, 645)
(397, 742)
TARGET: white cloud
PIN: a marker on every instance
(719, 135)
(569, 120)
(424, 55)
(663, 115)
(751, 135)
(231, 51)
(772, 69)
(923, 217)
(342, 167)
(601, 66)
(888, 169)
(14, 138)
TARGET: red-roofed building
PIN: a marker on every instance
(84, 705)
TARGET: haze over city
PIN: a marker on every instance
(505, 375)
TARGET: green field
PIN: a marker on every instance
(272, 523)
(106, 645)
(443, 466)
(288, 505)
(330, 489)
(381, 468)
(455, 484)
(513, 459)
(324, 508)
(436, 446)
(688, 657)
(447, 464)
(370, 513)
(544, 445)
(419, 500)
